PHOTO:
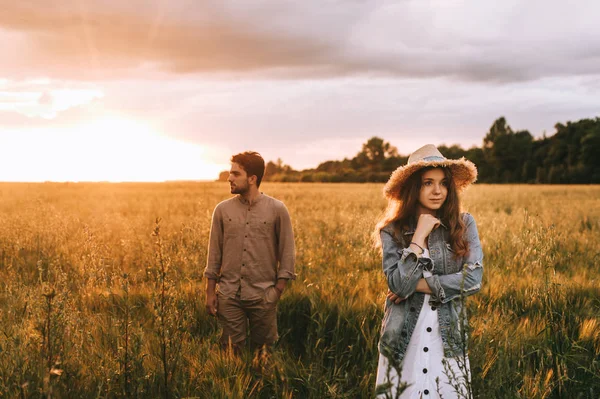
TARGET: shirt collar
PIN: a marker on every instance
(246, 202)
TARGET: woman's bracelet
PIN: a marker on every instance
(420, 247)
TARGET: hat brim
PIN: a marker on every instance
(464, 173)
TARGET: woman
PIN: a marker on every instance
(432, 259)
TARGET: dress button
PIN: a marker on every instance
(243, 264)
(247, 222)
(244, 249)
(412, 309)
(426, 392)
(246, 236)
(403, 333)
(425, 371)
(428, 329)
(425, 349)
(433, 308)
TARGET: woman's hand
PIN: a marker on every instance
(425, 226)
(394, 298)
(422, 286)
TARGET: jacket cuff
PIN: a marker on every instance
(437, 292)
(406, 252)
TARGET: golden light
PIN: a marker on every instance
(112, 149)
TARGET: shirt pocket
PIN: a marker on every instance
(263, 228)
(231, 227)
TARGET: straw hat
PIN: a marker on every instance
(463, 171)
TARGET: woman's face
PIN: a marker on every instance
(434, 190)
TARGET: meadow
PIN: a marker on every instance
(102, 294)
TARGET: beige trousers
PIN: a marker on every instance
(237, 316)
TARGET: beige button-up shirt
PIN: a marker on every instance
(251, 245)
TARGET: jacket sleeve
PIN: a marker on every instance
(466, 282)
(401, 266)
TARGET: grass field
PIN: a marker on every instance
(98, 300)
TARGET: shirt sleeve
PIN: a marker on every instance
(215, 246)
(286, 251)
(466, 282)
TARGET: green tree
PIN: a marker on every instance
(506, 152)
(373, 154)
(223, 176)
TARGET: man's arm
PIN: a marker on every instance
(213, 263)
(286, 249)
(211, 296)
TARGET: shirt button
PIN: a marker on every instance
(246, 236)
(403, 333)
(243, 264)
(426, 392)
(428, 329)
(424, 371)
(425, 349)
(412, 309)
(247, 222)
(433, 308)
(244, 249)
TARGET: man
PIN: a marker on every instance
(250, 255)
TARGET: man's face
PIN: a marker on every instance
(238, 179)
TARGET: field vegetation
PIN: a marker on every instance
(102, 295)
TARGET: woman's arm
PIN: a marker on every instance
(423, 287)
(401, 266)
(466, 282)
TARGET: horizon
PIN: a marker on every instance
(216, 178)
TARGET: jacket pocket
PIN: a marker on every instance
(453, 262)
(459, 325)
(392, 325)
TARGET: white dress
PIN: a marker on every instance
(422, 364)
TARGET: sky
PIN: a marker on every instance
(154, 90)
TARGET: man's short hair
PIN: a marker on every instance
(253, 163)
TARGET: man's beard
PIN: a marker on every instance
(240, 189)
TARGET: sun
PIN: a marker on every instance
(114, 149)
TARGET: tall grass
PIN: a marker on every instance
(92, 304)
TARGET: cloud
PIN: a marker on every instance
(106, 42)
(270, 114)
(44, 98)
(476, 41)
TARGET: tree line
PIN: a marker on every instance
(570, 156)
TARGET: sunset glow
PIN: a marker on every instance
(110, 149)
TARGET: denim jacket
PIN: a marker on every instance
(449, 277)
